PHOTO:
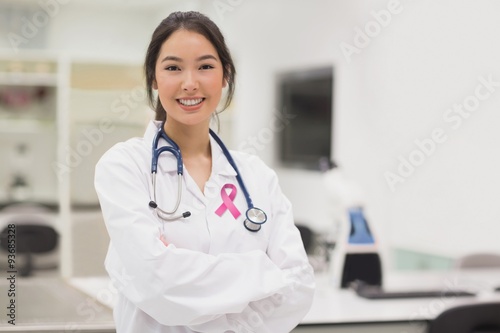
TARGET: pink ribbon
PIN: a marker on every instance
(227, 201)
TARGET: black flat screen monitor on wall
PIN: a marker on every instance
(306, 99)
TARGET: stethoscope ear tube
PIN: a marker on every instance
(168, 215)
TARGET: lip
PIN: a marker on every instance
(190, 107)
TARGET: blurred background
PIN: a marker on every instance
(402, 95)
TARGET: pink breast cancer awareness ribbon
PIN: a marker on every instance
(227, 201)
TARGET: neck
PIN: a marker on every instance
(192, 140)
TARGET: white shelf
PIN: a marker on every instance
(28, 79)
(80, 95)
(8, 126)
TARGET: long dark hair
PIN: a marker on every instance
(195, 22)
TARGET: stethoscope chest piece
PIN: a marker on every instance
(255, 217)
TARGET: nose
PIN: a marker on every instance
(190, 82)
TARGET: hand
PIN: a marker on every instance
(164, 241)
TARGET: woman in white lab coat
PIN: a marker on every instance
(205, 272)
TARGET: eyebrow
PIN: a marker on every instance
(203, 57)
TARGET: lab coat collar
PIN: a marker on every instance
(220, 164)
(168, 163)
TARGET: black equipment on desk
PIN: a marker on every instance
(362, 260)
(366, 290)
(469, 318)
(362, 266)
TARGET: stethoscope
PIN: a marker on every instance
(255, 217)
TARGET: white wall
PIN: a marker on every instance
(120, 31)
(396, 90)
(85, 29)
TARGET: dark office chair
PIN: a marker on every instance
(470, 318)
(30, 239)
(307, 237)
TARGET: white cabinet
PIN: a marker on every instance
(30, 106)
(57, 117)
(28, 131)
(107, 105)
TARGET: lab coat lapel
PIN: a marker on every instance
(220, 168)
(222, 173)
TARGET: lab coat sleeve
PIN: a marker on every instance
(282, 311)
(175, 286)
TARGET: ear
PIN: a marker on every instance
(224, 83)
(155, 85)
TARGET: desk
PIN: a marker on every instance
(49, 304)
(342, 311)
(54, 305)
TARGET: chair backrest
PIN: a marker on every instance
(307, 236)
(479, 260)
(31, 238)
(470, 318)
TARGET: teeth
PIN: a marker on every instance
(190, 102)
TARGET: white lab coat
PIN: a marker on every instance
(214, 275)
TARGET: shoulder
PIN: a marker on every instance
(125, 154)
(133, 149)
(249, 163)
(125, 163)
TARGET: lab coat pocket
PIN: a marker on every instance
(248, 241)
(234, 238)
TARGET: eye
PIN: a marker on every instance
(172, 68)
(204, 67)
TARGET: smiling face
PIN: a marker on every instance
(189, 79)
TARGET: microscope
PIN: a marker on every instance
(356, 254)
